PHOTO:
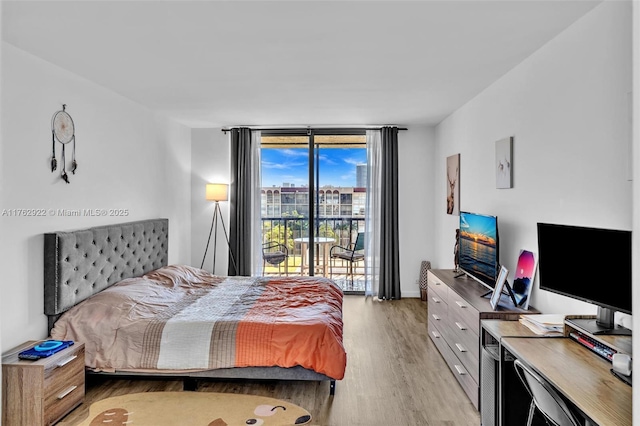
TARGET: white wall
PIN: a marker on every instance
(416, 151)
(210, 157)
(128, 158)
(210, 163)
(567, 106)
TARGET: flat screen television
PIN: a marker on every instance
(588, 264)
(478, 247)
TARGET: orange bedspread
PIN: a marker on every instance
(184, 318)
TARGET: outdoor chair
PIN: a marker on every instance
(353, 253)
(275, 254)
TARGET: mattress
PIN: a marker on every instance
(180, 318)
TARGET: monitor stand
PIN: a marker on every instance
(603, 324)
(458, 273)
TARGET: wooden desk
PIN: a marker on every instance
(323, 242)
(579, 374)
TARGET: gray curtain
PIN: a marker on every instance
(240, 201)
(389, 285)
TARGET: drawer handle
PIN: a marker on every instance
(461, 304)
(67, 392)
(435, 317)
(461, 371)
(435, 299)
(435, 334)
(67, 361)
(460, 326)
(460, 347)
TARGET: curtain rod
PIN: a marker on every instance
(324, 129)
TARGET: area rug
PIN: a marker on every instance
(194, 408)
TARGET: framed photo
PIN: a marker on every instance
(453, 184)
(497, 290)
(504, 163)
(523, 280)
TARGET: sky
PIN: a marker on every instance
(291, 165)
(475, 223)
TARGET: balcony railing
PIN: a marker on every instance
(343, 230)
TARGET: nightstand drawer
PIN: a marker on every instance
(41, 392)
(59, 365)
(64, 387)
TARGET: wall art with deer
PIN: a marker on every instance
(453, 184)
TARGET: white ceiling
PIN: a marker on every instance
(214, 63)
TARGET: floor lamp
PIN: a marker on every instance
(217, 192)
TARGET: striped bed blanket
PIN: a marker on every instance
(180, 318)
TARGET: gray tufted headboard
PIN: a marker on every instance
(79, 264)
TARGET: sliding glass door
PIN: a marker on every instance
(314, 198)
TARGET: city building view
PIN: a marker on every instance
(339, 214)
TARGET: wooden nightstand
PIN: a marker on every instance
(41, 392)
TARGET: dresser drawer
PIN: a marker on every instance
(465, 336)
(459, 304)
(466, 380)
(437, 307)
(463, 311)
(467, 355)
(464, 333)
(436, 334)
(435, 284)
(441, 325)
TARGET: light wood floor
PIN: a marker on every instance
(393, 378)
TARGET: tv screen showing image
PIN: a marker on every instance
(478, 247)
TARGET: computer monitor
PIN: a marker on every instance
(588, 264)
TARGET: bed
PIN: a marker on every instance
(111, 288)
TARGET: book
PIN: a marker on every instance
(545, 325)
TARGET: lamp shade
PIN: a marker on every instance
(217, 192)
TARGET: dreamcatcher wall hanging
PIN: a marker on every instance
(63, 131)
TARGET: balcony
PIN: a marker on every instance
(343, 230)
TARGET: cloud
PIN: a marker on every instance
(354, 161)
(280, 166)
(327, 161)
(295, 152)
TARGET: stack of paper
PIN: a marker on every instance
(544, 324)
